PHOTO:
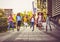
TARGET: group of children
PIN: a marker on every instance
(25, 20)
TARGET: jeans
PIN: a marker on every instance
(32, 25)
(48, 24)
(10, 24)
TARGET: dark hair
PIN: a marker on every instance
(18, 14)
(47, 14)
(40, 13)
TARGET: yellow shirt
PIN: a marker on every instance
(25, 19)
(14, 17)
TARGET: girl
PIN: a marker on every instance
(32, 20)
(18, 18)
(10, 22)
(39, 20)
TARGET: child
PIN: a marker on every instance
(10, 22)
(32, 20)
(39, 20)
(18, 18)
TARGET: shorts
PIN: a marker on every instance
(19, 23)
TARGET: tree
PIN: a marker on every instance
(29, 13)
(1, 13)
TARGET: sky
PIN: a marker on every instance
(16, 5)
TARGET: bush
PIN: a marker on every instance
(3, 24)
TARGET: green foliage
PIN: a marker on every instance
(3, 24)
(3, 21)
(1, 13)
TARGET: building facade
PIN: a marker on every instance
(52, 8)
(8, 11)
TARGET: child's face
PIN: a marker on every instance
(39, 13)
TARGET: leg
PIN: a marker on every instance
(24, 25)
(19, 25)
(33, 26)
(39, 26)
(12, 24)
(50, 27)
(18, 28)
(46, 28)
(9, 26)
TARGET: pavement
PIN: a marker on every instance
(27, 35)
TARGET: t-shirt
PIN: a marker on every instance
(39, 19)
(10, 18)
(32, 19)
(47, 20)
(18, 18)
(25, 19)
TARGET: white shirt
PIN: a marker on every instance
(32, 20)
(39, 18)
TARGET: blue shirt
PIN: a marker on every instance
(18, 18)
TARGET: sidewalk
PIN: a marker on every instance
(27, 35)
(55, 31)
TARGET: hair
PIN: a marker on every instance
(40, 13)
(26, 16)
(47, 14)
(18, 14)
